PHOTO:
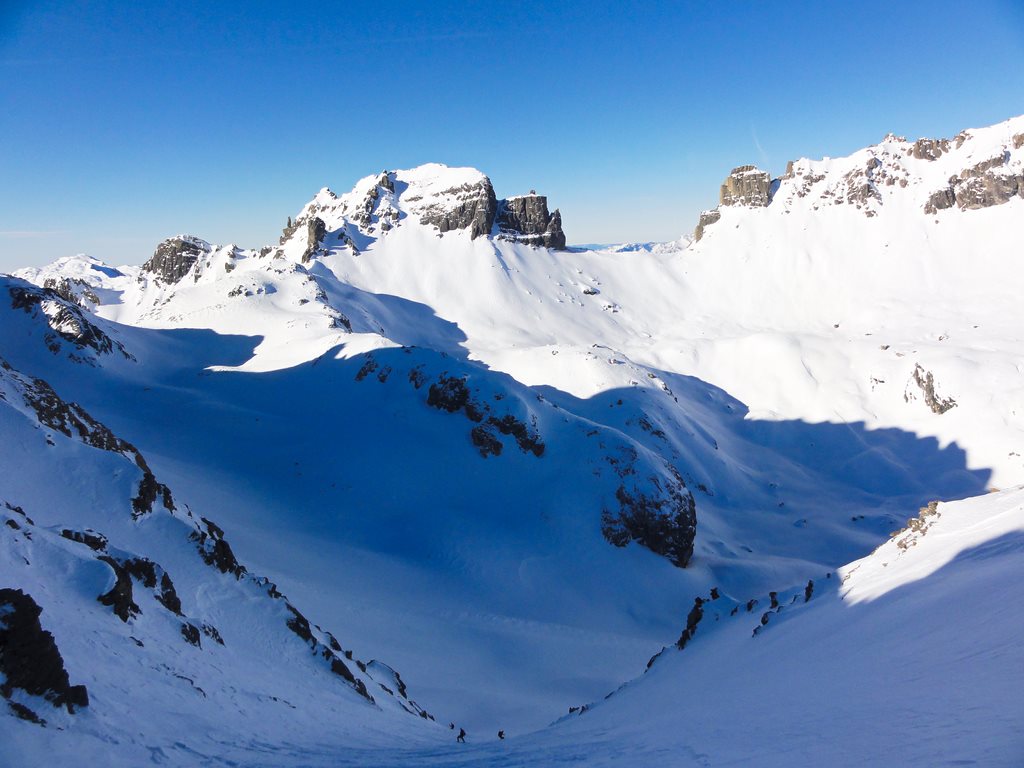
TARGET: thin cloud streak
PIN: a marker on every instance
(760, 149)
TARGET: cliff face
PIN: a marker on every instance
(526, 219)
(991, 182)
(746, 185)
(175, 256)
(470, 206)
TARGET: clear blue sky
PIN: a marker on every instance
(124, 123)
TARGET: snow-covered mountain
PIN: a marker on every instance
(504, 466)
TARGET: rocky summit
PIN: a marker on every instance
(446, 200)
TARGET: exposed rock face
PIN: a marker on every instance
(449, 394)
(746, 185)
(436, 196)
(940, 201)
(120, 597)
(526, 219)
(474, 210)
(93, 540)
(485, 441)
(909, 535)
(175, 256)
(315, 231)
(925, 382)
(980, 186)
(215, 550)
(861, 188)
(299, 624)
(706, 219)
(452, 394)
(930, 149)
(29, 658)
(692, 620)
(72, 289)
(527, 439)
(67, 320)
(664, 521)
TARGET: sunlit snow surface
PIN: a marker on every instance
(772, 363)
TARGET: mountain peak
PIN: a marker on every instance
(977, 168)
(446, 198)
(175, 256)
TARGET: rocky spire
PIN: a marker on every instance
(525, 219)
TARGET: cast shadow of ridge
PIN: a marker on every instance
(406, 322)
(703, 424)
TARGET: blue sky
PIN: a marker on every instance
(124, 123)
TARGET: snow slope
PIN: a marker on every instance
(153, 614)
(909, 656)
(792, 371)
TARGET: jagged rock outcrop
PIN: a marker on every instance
(215, 550)
(29, 658)
(74, 290)
(692, 620)
(66, 319)
(940, 201)
(365, 217)
(909, 535)
(175, 256)
(746, 185)
(925, 382)
(315, 231)
(121, 596)
(525, 219)
(662, 518)
(706, 219)
(982, 185)
(474, 209)
(929, 149)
